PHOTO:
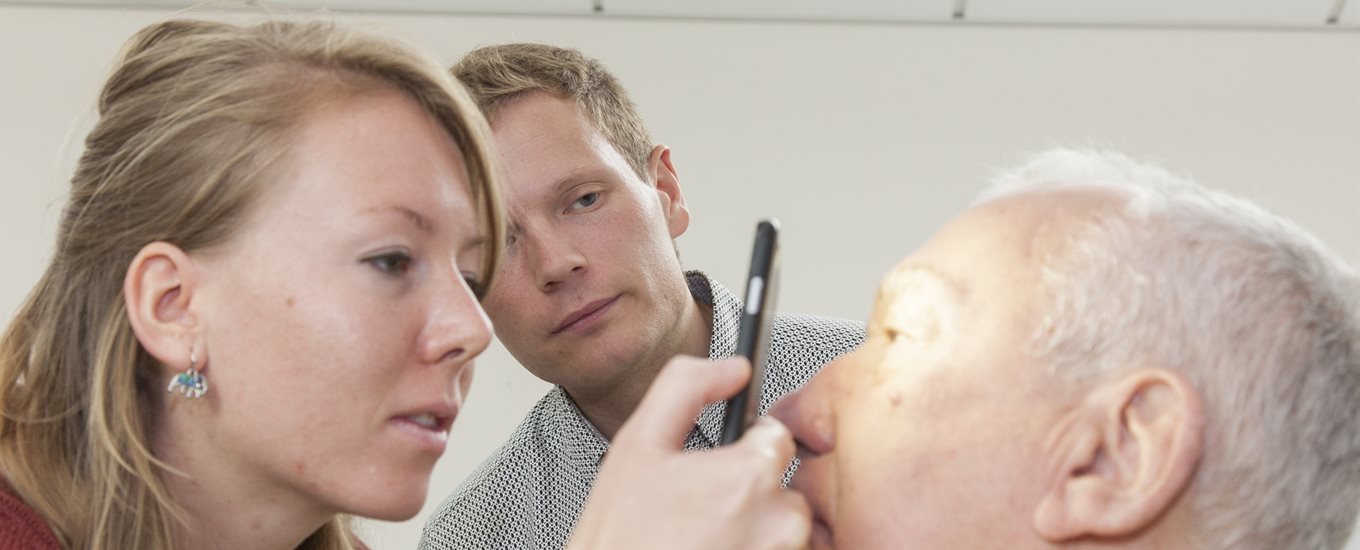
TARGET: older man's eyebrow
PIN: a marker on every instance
(922, 269)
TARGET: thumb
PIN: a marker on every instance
(666, 414)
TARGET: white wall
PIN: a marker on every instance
(861, 138)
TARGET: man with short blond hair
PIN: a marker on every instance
(592, 297)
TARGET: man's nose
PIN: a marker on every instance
(556, 258)
(809, 415)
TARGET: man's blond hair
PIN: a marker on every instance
(496, 75)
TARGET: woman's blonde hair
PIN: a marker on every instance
(192, 123)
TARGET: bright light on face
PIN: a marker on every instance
(916, 306)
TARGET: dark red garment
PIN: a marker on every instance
(21, 528)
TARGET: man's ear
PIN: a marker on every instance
(159, 296)
(668, 190)
(1121, 460)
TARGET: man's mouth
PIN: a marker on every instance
(585, 314)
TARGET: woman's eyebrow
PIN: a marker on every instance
(420, 221)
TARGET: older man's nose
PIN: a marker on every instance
(809, 415)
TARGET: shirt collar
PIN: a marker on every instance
(721, 344)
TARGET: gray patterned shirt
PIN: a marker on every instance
(529, 493)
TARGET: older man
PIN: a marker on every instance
(1097, 353)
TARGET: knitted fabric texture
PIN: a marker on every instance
(529, 493)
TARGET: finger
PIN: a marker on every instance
(793, 522)
(666, 414)
(783, 522)
(771, 440)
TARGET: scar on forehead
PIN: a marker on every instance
(917, 302)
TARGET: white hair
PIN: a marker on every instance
(1257, 313)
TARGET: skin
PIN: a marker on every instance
(335, 315)
(943, 432)
(588, 236)
(647, 495)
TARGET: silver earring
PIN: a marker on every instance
(190, 382)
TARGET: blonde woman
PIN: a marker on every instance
(262, 310)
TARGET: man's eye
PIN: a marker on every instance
(587, 200)
(394, 263)
(474, 284)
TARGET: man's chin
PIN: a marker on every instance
(584, 374)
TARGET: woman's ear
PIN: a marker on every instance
(159, 296)
(1123, 458)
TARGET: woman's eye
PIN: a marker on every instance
(587, 200)
(394, 263)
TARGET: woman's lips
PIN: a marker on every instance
(430, 439)
(428, 425)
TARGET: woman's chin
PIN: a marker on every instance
(393, 505)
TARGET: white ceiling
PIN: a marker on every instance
(1155, 12)
(1235, 13)
(865, 10)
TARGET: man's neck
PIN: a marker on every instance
(609, 407)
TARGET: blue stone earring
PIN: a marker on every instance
(190, 382)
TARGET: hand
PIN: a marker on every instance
(650, 494)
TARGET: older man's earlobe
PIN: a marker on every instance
(1120, 461)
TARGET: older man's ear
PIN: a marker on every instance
(1119, 461)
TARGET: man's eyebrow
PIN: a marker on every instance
(579, 174)
(955, 285)
(424, 224)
